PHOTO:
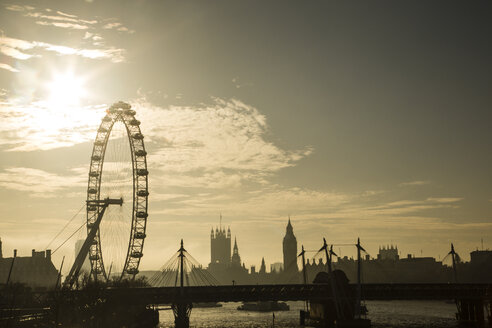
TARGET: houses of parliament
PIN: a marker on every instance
(226, 266)
(387, 266)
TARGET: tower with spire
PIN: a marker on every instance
(290, 249)
(263, 266)
(236, 259)
(220, 245)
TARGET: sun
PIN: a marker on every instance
(66, 89)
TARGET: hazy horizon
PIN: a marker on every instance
(356, 119)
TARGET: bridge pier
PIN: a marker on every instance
(302, 317)
(470, 311)
(182, 313)
(489, 312)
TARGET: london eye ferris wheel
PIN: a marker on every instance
(118, 169)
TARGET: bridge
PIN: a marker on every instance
(291, 292)
(331, 292)
(471, 297)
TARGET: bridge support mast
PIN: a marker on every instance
(332, 278)
(359, 289)
(182, 309)
(303, 313)
(470, 311)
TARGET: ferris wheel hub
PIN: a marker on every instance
(105, 201)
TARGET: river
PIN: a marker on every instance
(383, 314)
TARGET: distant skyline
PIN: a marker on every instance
(357, 119)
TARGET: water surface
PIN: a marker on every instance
(383, 314)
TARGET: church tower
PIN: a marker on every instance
(290, 250)
(220, 245)
(236, 259)
(263, 266)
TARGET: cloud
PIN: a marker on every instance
(65, 14)
(111, 25)
(92, 36)
(414, 183)
(12, 52)
(17, 48)
(444, 199)
(16, 43)
(39, 125)
(207, 146)
(167, 196)
(55, 20)
(63, 25)
(67, 20)
(61, 18)
(404, 207)
(18, 7)
(274, 202)
(224, 137)
(8, 68)
(117, 26)
(39, 183)
(23, 50)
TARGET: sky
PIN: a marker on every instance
(356, 119)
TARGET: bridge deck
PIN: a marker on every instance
(244, 293)
(426, 291)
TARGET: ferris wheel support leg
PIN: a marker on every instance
(84, 250)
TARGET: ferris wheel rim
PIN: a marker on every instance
(119, 112)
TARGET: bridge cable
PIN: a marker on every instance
(168, 275)
(66, 225)
(78, 229)
(206, 277)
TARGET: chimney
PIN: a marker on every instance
(48, 254)
(15, 253)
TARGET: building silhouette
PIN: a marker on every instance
(224, 266)
(235, 259)
(36, 270)
(220, 246)
(314, 267)
(387, 267)
(263, 266)
(277, 267)
(481, 257)
(290, 249)
(388, 253)
(478, 269)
